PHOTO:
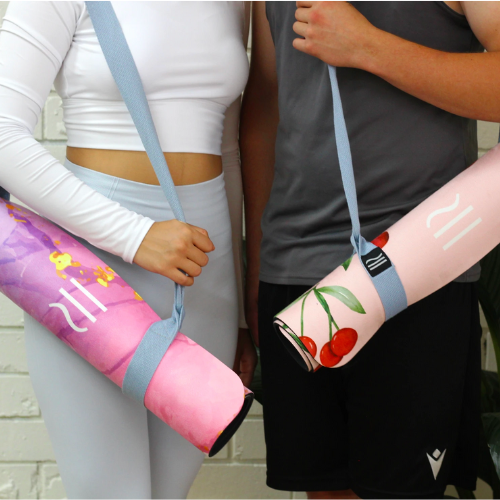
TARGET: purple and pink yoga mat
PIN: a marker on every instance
(75, 295)
(430, 247)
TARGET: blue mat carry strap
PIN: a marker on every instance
(160, 335)
(376, 263)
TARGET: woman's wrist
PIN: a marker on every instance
(132, 248)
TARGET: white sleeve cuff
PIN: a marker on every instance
(135, 241)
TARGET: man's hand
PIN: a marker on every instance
(246, 357)
(465, 84)
(334, 32)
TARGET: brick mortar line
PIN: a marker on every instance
(233, 463)
(39, 485)
(9, 329)
(27, 462)
(247, 461)
(255, 464)
(30, 462)
(53, 142)
(222, 461)
(21, 420)
(34, 418)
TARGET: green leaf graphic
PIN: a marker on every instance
(345, 296)
(297, 339)
(346, 264)
(325, 306)
(288, 330)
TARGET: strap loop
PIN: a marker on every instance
(160, 335)
(376, 263)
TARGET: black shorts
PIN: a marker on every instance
(401, 420)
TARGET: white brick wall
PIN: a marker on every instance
(27, 466)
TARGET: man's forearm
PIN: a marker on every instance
(258, 126)
(259, 119)
(464, 84)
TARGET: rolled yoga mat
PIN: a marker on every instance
(70, 291)
(431, 246)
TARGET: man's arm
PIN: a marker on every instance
(259, 122)
(464, 84)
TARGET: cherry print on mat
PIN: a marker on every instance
(381, 240)
(343, 341)
(327, 357)
(310, 345)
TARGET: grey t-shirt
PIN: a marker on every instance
(403, 149)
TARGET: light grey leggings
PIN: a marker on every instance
(107, 445)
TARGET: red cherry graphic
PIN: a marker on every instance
(381, 240)
(327, 357)
(343, 341)
(310, 345)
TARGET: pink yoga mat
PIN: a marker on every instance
(74, 294)
(432, 245)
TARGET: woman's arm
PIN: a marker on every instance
(232, 178)
(34, 41)
(234, 191)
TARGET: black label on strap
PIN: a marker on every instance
(376, 262)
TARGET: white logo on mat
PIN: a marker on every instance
(79, 306)
(436, 460)
(453, 221)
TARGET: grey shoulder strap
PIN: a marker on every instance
(376, 263)
(160, 335)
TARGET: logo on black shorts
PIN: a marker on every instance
(436, 460)
(376, 262)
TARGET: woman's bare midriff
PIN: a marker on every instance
(185, 168)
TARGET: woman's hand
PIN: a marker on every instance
(171, 247)
(245, 360)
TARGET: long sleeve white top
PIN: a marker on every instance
(193, 64)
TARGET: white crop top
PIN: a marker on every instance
(193, 65)
(190, 56)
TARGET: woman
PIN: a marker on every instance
(193, 64)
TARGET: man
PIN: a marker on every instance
(402, 418)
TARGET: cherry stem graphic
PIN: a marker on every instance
(302, 316)
(324, 304)
(330, 325)
(333, 321)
